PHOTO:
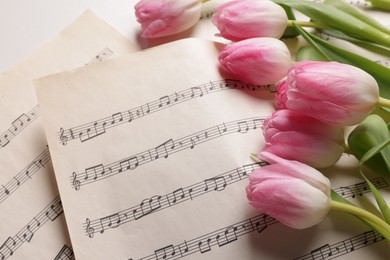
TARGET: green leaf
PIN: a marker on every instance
(374, 150)
(309, 53)
(290, 32)
(381, 4)
(357, 13)
(336, 197)
(384, 113)
(370, 46)
(379, 200)
(307, 37)
(379, 72)
(367, 143)
(340, 20)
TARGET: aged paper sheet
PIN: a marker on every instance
(151, 156)
(32, 225)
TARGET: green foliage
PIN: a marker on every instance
(346, 19)
(369, 141)
(379, 72)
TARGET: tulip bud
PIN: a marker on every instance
(281, 97)
(292, 192)
(258, 61)
(243, 19)
(293, 136)
(166, 17)
(371, 132)
(332, 92)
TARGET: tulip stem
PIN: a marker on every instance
(307, 24)
(361, 213)
(204, 1)
(254, 157)
(383, 102)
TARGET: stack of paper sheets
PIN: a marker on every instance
(146, 156)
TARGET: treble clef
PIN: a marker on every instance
(75, 182)
(90, 230)
(63, 138)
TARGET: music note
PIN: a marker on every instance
(177, 97)
(229, 236)
(163, 253)
(183, 248)
(117, 117)
(163, 149)
(190, 191)
(325, 251)
(28, 235)
(6, 191)
(111, 221)
(128, 164)
(369, 237)
(52, 213)
(17, 181)
(217, 183)
(20, 121)
(147, 108)
(346, 191)
(76, 183)
(243, 127)
(164, 100)
(196, 89)
(130, 116)
(204, 246)
(147, 206)
(261, 224)
(95, 171)
(4, 140)
(178, 195)
(349, 245)
(222, 128)
(362, 188)
(9, 244)
(193, 143)
(257, 123)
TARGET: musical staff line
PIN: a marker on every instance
(219, 182)
(18, 125)
(99, 127)
(66, 253)
(26, 234)
(24, 175)
(259, 223)
(231, 233)
(332, 251)
(99, 172)
(220, 237)
(157, 202)
(360, 188)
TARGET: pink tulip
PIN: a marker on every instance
(281, 97)
(166, 17)
(292, 192)
(293, 136)
(332, 92)
(258, 61)
(243, 19)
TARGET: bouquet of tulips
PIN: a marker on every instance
(317, 97)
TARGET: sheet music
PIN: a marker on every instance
(171, 184)
(32, 223)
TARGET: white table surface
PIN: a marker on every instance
(26, 25)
